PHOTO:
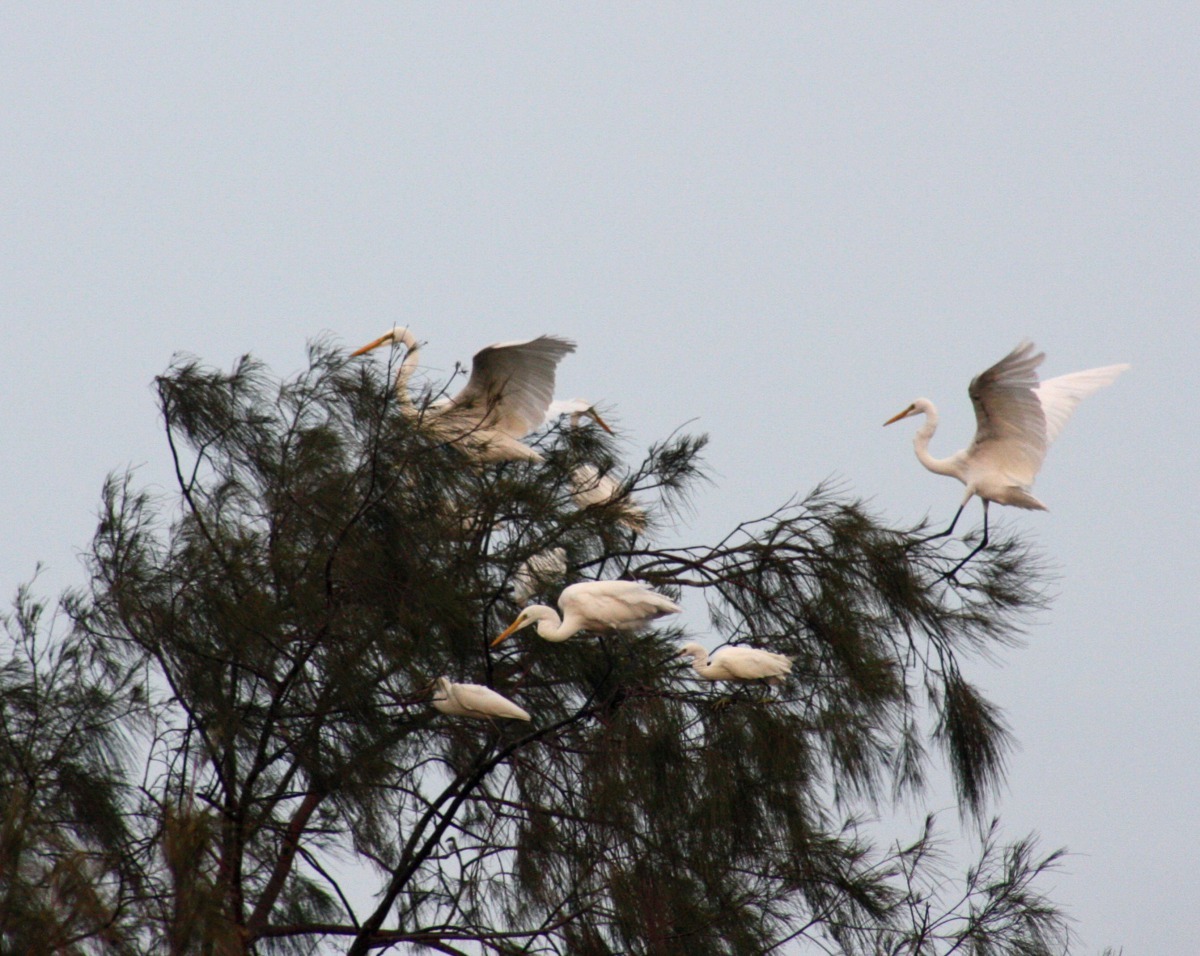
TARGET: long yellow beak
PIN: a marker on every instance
(895, 418)
(599, 421)
(382, 340)
(511, 629)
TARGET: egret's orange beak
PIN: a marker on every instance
(904, 414)
(382, 340)
(599, 421)
(515, 626)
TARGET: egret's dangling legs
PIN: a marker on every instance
(942, 534)
(950, 575)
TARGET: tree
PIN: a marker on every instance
(242, 756)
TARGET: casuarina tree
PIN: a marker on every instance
(225, 743)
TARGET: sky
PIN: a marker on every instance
(777, 223)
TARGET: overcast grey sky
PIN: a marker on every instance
(781, 222)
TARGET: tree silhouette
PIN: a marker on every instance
(231, 749)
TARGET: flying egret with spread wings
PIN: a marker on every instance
(598, 606)
(473, 700)
(1016, 420)
(507, 396)
(737, 663)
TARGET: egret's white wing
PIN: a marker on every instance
(1010, 426)
(512, 384)
(479, 701)
(1059, 396)
(750, 663)
(616, 603)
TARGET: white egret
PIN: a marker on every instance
(539, 570)
(738, 663)
(589, 488)
(1016, 420)
(506, 397)
(595, 606)
(576, 408)
(473, 700)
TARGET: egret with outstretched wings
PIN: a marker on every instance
(1016, 420)
(507, 396)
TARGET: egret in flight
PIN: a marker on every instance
(473, 700)
(598, 606)
(1016, 420)
(507, 396)
(738, 664)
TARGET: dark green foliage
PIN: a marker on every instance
(275, 627)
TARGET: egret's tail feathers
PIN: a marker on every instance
(1059, 396)
(1018, 497)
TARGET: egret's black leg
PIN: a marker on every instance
(950, 576)
(950, 530)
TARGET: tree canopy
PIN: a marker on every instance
(225, 743)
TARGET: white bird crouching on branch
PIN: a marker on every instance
(473, 700)
(541, 569)
(1016, 420)
(735, 663)
(590, 489)
(507, 396)
(597, 606)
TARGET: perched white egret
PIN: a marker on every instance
(590, 488)
(576, 408)
(738, 663)
(595, 606)
(473, 700)
(539, 570)
(506, 397)
(1016, 420)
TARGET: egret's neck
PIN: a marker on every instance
(551, 627)
(408, 366)
(939, 466)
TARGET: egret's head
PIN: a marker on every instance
(524, 619)
(591, 412)
(397, 336)
(919, 407)
(694, 651)
(441, 688)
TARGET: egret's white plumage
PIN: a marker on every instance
(1016, 420)
(598, 606)
(738, 663)
(539, 570)
(576, 408)
(507, 396)
(473, 700)
(590, 488)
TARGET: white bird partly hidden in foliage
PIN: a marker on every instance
(597, 606)
(737, 663)
(1016, 420)
(576, 408)
(541, 569)
(473, 700)
(590, 488)
(507, 396)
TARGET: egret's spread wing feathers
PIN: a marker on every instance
(1060, 396)
(1010, 424)
(512, 384)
